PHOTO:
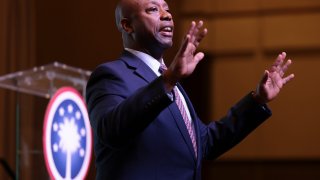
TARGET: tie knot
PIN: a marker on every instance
(162, 68)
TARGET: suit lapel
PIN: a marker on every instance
(140, 68)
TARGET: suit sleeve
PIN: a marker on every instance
(118, 115)
(219, 136)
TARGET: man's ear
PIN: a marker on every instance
(126, 25)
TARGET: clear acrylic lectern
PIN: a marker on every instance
(41, 81)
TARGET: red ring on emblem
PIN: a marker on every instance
(65, 93)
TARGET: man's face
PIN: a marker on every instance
(152, 24)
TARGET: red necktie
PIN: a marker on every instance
(183, 112)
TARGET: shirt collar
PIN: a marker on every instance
(148, 60)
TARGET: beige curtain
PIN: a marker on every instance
(17, 52)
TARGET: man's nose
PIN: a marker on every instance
(165, 15)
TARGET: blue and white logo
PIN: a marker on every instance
(67, 138)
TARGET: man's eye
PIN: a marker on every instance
(152, 9)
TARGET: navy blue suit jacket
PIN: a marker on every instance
(139, 132)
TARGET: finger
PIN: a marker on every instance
(199, 26)
(201, 36)
(287, 79)
(279, 60)
(191, 28)
(264, 77)
(198, 57)
(285, 67)
(195, 31)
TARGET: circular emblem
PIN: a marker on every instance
(67, 138)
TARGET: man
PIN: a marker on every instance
(144, 125)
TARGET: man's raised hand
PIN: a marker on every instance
(273, 79)
(187, 58)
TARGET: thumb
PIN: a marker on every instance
(184, 45)
(265, 77)
(198, 57)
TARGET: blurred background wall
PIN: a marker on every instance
(244, 38)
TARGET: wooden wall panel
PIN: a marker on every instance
(297, 4)
(233, 78)
(293, 130)
(206, 44)
(209, 6)
(80, 34)
(3, 22)
(237, 5)
(229, 35)
(204, 6)
(239, 34)
(244, 38)
(298, 31)
(230, 6)
(295, 124)
(7, 123)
